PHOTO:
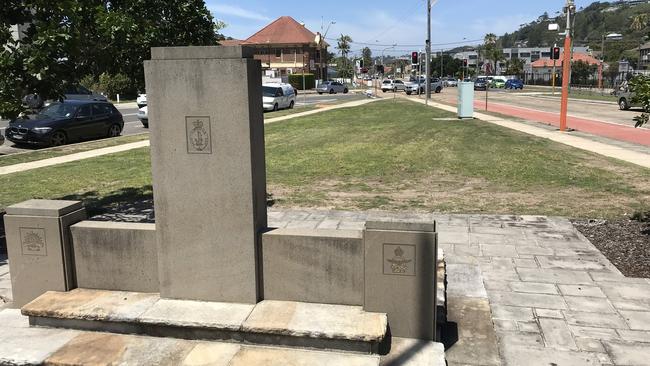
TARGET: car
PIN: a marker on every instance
(451, 82)
(63, 122)
(276, 96)
(498, 83)
(514, 84)
(625, 100)
(2, 139)
(480, 84)
(417, 85)
(332, 87)
(392, 85)
(71, 92)
(141, 100)
(143, 116)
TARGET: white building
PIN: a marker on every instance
(528, 54)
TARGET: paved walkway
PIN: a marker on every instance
(584, 143)
(355, 103)
(522, 290)
(71, 157)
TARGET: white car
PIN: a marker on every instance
(419, 87)
(451, 82)
(278, 96)
(143, 116)
(141, 101)
(392, 85)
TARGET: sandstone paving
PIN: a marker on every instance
(554, 298)
(548, 296)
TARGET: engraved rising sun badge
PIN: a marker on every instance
(398, 264)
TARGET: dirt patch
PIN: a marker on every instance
(626, 243)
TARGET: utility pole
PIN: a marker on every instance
(566, 66)
(428, 51)
(555, 45)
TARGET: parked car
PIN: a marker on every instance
(332, 87)
(514, 84)
(63, 122)
(392, 85)
(141, 100)
(498, 83)
(277, 96)
(72, 92)
(480, 84)
(418, 86)
(143, 116)
(451, 82)
(625, 100)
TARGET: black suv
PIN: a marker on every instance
(63, 122)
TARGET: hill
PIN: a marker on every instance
(590, 24)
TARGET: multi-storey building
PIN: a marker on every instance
(286, 47)
(527, 54)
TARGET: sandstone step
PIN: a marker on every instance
(21, 344)
(279, 323)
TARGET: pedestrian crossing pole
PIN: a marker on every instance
(566, 66)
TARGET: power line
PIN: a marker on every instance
(411, 45)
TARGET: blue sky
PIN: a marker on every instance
(388, 21)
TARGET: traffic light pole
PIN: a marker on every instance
(566, 67)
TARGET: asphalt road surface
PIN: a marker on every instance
(133, 126)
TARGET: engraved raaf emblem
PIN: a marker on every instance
(198, 135)
(32, 241)
(398, 264)
(399, 259)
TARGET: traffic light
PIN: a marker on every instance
(414, 58)
(555, 53)
(360, 63)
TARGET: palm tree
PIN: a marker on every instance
(640, 21)
(343, 44)
(491, 51)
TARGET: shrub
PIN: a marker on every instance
(296, 81)
(111, 85)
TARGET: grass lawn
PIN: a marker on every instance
(39, 154)
(392, 155)
(286, 112)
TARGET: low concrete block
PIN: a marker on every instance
(313, 265)
(400, 276)
(116, 256)
(39, 248)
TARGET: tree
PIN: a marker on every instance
(450, 66)
(581, 72)
(640, 22)
(366, 53)
(515, 67)
(640, 88)
(491, 50)
(67, 40)
(344, 66)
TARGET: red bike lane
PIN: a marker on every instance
(639, 136)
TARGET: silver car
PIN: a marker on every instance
(332, 87)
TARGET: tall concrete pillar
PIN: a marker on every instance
(209, 179)
(40, 248)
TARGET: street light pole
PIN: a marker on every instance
(428, 51)
(566, 66)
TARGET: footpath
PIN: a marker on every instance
(584, 141)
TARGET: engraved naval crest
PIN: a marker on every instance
(398, 263)
(198, 135)
(399, 259)
(32, 241)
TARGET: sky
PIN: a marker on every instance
(388, 22)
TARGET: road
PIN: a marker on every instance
(133, 126)
(606, 112)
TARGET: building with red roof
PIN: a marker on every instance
(286, 46)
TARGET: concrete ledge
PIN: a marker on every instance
(199, 52)
(313, 265)
(115, 256)
(283, 323)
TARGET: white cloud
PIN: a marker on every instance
(223, 9)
